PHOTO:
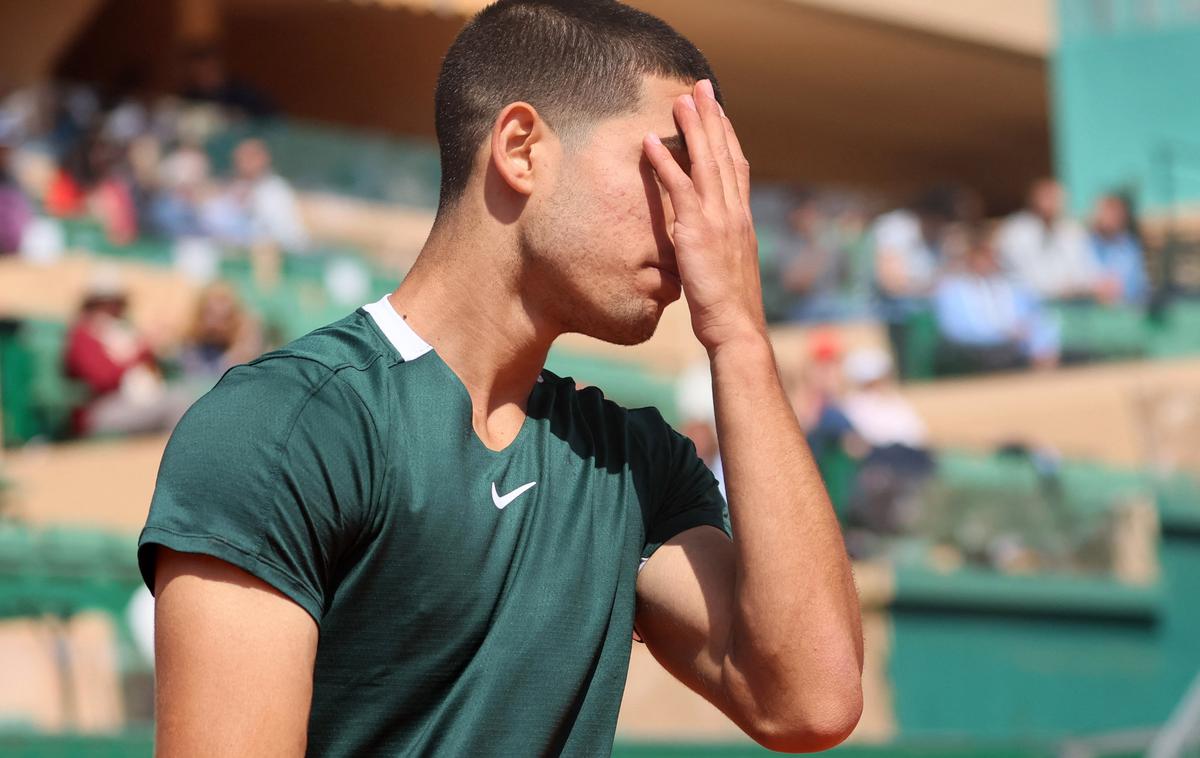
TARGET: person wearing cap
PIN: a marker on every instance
(877, 410)
(898, 461)
(125, 390)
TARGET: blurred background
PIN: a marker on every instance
(980, 245)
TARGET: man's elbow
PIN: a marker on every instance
(808, 726)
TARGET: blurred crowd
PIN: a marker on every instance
(139, 166)
(131, 385)
(987, 283)
(868, 440)
(143, 169)
(138, 169)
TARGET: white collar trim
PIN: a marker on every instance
(407, 342)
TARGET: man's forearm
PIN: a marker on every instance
(795, 633)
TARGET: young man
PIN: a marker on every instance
(401, 536)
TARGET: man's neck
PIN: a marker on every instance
(463, 297)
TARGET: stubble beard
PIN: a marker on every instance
(614, 316)
(570, 280)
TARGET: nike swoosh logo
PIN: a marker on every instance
(502, 502)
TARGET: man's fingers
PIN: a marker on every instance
(740, 163)
(705, 172)
(679, 186)
(714, 119)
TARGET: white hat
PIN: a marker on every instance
(866, 365)
(105, 283)
(693, 393)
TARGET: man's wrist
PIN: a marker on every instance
(750, 350)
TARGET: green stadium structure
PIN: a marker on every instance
(1125, 100)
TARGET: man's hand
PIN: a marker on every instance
(767, 627)
(715, 246)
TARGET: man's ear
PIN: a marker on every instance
(519, 139)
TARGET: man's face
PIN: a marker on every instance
(597, 251)
(251, 159)
(1047, 199)
(1110, 216)
(983, 259)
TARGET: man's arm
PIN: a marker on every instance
(233, 662)
(766, 627)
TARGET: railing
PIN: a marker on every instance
(1081, 20)
(1173, 161)
(1182, 730)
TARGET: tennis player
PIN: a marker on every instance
(401, 535)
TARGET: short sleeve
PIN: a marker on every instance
(271, 472)
(686, 492)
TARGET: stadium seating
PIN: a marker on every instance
(359, 164)
(61, 571)
(35, 397)
(1089, 332)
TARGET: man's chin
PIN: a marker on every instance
(627, 332)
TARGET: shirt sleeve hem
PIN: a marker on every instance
(216, 547)
(680, 524)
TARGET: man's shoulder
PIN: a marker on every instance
(350, 342)
(331, 363)
(644, 427)
(591, 400)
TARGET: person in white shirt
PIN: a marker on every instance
(906, 243)
(267, 198)
(1049, 252)
(879, 413)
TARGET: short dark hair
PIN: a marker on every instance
(576, 61)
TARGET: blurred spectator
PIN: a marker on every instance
(206, 79)
(886, 493)
(874, 405)
(909, 251)
(265, 200)
(1118, 248)
(693, 396)
(909, 243)
(61, 115)
(813, 264)
(15, 213)
(111, 198)
(222, 335)
(815, 395)
(64, 196)
(144, 161)
(987, 321)
(126, 391)
(178, 208)
(1048, 252)
(92, 176)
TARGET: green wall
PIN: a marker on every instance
(1125, 88)
(990, 670)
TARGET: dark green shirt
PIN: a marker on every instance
(470, 602)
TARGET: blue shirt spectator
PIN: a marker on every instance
(979, 307)
(1118, 250)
